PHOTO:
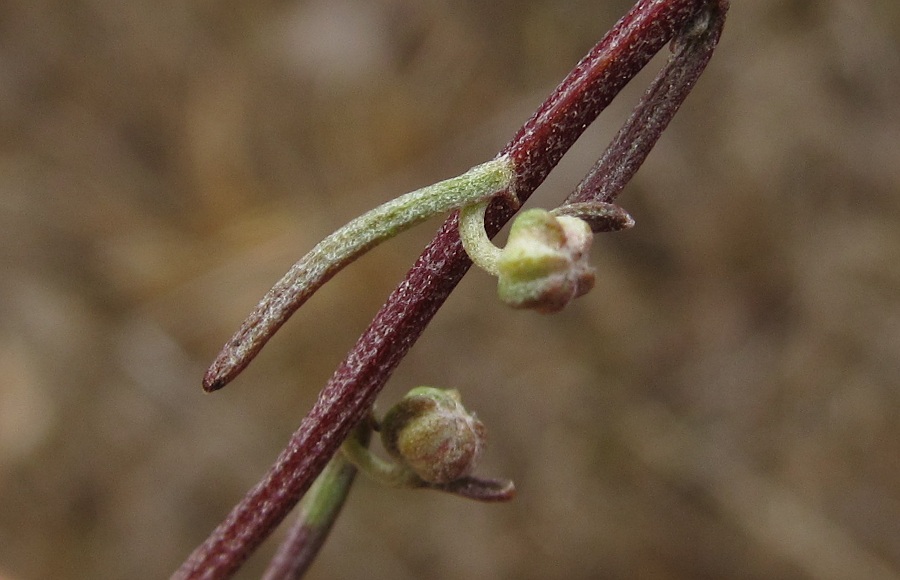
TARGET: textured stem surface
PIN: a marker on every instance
(665, 95)
(352, 390)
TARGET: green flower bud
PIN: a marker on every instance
(544, 265)
(431, 433)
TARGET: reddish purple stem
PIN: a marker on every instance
(352, 390)
(631, 145)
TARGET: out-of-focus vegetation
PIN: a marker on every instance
(725, 404)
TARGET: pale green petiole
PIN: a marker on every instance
(475, 241)
(480, 183)
(386, 472)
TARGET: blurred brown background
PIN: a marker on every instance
(725, 404)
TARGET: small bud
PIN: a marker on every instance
(431, 433)
(544, 265)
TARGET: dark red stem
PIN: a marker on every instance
(629, 148)
(352, 390)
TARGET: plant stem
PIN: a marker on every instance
(318, 512)
(352, 390)
(665, 95)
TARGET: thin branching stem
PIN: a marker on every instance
(692, 49)
(318, 511)
(317, 514)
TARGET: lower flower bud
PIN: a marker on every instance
(431, 433)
